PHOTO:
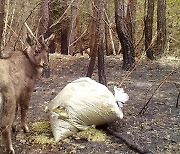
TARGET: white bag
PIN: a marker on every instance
(84, 103)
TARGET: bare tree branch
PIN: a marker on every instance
(24, 22)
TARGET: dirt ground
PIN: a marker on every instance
(158, 130)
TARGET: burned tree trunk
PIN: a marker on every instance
(64, 28)
(97, 42)
(101, 68)
(64, 41)
(148, 29)
(161, 27)
(130, 18)
(155, 48)
(124, 35)
(50, 30)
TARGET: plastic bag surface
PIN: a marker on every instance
(84, 103)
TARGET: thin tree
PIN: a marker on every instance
(2, 7)
(131, 18)
(155, 47)
(161, 27)
(44, 18)
(124, 35)
(43, 26)
(73, 23)
(97, 42)
(148, 23)
(50, 30)
(110, 46)
(64, 28)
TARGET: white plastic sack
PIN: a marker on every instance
(84, 103)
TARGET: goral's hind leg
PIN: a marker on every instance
(8, 113)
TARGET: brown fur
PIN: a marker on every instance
(18, 74)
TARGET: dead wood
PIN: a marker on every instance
(131, 144)
(177, 103)
(143, 110)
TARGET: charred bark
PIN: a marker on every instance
(64, 41)
(52, 46)
(64, 28)
(124, 36)
(130, 18)
(101, 69)
(161, 27)
(148, 29)
(97, 41)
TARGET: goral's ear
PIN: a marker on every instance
(49, 39)
(29, 40)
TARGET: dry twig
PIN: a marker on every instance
(143, 110)
(23, 24)
(177, 102)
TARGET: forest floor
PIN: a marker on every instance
(157, 130)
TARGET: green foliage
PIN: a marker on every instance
(41, 127)
(43, 139)
(57, 11)
(85, 11)
(42, 133)
(86, 15)
(94, 134)
(173, 26)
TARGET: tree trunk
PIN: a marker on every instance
(64, 41)
(110, 48)
(43, 27)
(93, 50)
(64, 28)
(131, 18)
(52, 46)
(108, 52)
(148, 29)
(92, 35)
(2, 7)
(44, 18)
(161, 27)
(72, 33)
(101, 68)
(123, 35)
(98, 28)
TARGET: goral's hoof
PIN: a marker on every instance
(11, 150)
(25, 129)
